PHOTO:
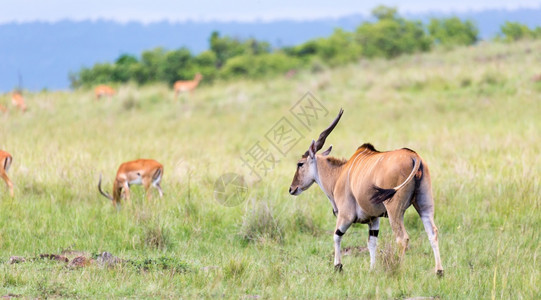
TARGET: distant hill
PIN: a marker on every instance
(45, 53)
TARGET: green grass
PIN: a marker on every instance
(473, 113)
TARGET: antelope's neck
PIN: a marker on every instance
(328, 169)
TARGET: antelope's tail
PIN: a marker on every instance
(158, 174)
(102, 192)
(381, 194)
(7, 163)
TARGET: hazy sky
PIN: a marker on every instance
(240, 10)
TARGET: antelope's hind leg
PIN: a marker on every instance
(3, 174)
(9, 184)
(159, 187)
(156, 183)
(427, 216)
(127, 195)
(146, 185)
(395, 211)
(424, 204)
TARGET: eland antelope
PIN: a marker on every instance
(187, 85)
(142, 171)
(5, 163)
(370, 185)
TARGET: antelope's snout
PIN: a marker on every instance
(293, 191)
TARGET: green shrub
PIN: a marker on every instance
(391, 35)
(453, 32)
(514, 31)
(257, 66)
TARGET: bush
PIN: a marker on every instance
(391, 35)
(227, 47)
(514, 31)
(257, 66)
(453, 32)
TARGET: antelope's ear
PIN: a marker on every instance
(327, 152)
(312, 150)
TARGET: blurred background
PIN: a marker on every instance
(59, 44)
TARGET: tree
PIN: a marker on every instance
(453, 32)
(177, 64)
(514, 31)
(257, 66)
(152, 60)
(391, 35)
(224, 48)
(124, 68)
(383, 12)
(205, 63)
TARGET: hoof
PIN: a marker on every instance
(338, 268)
(439, 273)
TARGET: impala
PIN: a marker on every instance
(18, 101)
(5, 163)
(3, 109)
(370, 185)
(104, 90)
(142, 171)
(187, 85)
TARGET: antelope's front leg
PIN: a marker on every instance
(373, 231)
(342, 225)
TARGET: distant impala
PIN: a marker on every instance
(187, 85)
(5, 163)
(104, 90)
(18, 101)
(142, 171)
(370, 185)
(3, 109)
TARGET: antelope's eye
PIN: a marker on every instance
(300, 164)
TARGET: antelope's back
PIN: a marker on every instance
(370, 167)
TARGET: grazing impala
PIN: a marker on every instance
(5, 163)
(187, 85)
(18, 101)
(142, 171)
(104, 90)
(369, 185)
(3, 109)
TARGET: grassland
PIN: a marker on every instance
(473, 113)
